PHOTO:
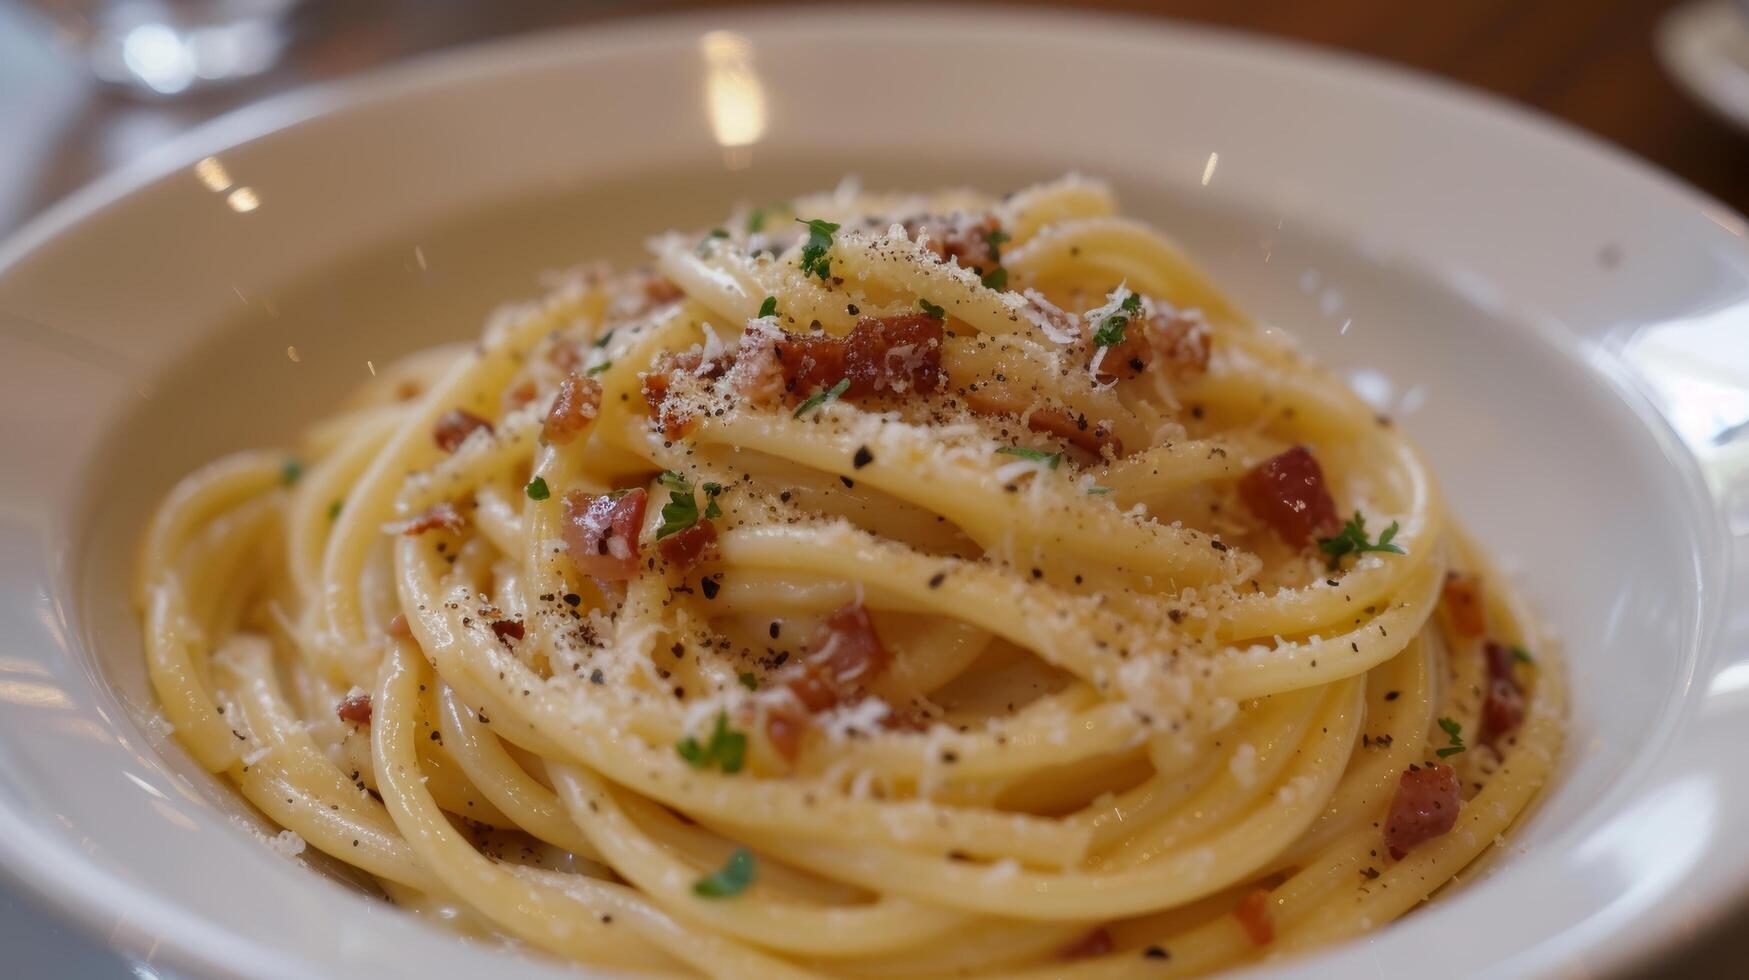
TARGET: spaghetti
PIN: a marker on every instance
(880, 586)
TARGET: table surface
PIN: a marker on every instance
(1588, 62)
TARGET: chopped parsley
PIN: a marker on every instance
(1351, 540)
(748, 681)
(820, 398)
(1111, 329)
(727, 748)
(1036, 455)
(602, 340)
(681, 510)
(1099, 490)
(996, 279)
(755, 221)
(704, 244)
(290, 473)
(711, 510)
(994, 239)
(769, 307)
(597, 369)
(1522, 655)
(734, 877)
(1456, 732)
(334, 511)
(537, 489)
(815, 261)
(931, 309)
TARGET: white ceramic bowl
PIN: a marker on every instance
(1531, 305)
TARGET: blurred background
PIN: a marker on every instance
(86, 86)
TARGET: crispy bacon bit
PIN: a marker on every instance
(1426, 806)
(566, 355)
(1096, 943)
(846, 653)
(574, 407)
(659, 290)
(1094, 437)
(1287, 492)
(442, 515)
(961, 238)
(1503, 708)
(683, 549)
(995, 398)
(1125, 359)
(454, 426)
(894, 353)
(355, 708)
(508, 630)
(1463, 604)
(1253, 913)
(659, 382)
(520, 394)
(601, 533)
(398, 627)
(1180, 341)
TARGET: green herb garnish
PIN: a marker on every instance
(994, 240)
(597, 369)
(815, 262)
(820, 398)
(931, 309)
(537, 489)
(681, 510)
(755, 221)
(711, 510)
(736, 874)
(996, 279)
(748, 681)
(1351, 540)
(769, 307)
(290, 473)
(1099, 490)
(1456, 731)
(602, 340)
(334, 510)
(704, 244)
(1036, 455)
(726, 749)
(1522, 655)
(1111, 329)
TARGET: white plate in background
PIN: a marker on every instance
(1563, 329)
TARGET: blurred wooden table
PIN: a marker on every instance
(1589, 62)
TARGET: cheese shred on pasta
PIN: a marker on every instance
(878, 586)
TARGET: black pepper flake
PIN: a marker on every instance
(1218, 546)
(774, 629)
(1156, 953)
(1392, 695)
(936, 580)
(436, 736)
(709, 586)
(849, 484)
(597, 677)
(862, 458)
(1369, 873)
(572, 599)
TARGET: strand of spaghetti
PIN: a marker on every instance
(534, 912)
(796, 928)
